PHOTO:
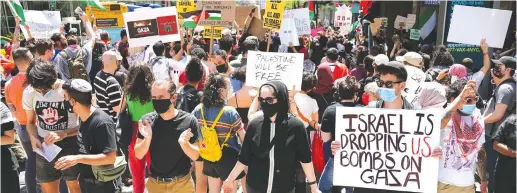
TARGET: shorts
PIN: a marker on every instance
(45, 171)
(222, 168)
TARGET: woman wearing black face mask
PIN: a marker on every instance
(274, 143)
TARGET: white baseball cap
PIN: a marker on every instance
(381, 59)
(412, 58)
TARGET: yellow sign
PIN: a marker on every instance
(213, 32)
(185, 6)
(274, 14)
(111, 18)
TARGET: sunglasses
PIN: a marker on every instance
(268, 100)
(471, 100)
(389, 84)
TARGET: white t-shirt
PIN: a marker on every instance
(453, 169)
(478, 77)
(51, 114)
(307, 106)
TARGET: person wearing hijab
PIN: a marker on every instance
(323, 92)
(457, 71)
(432, 96)
(273, 145)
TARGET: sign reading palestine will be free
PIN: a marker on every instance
(274, 14)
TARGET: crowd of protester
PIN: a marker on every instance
(156, 107)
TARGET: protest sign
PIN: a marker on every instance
(410, 21)
(387, 149)
(256, 28)
(242, 12)
(149, 26)
(213, 32)
(400, 22)
(42, 23)
(274, 14)
(288, 33)
(343, 17)
(185, 6)
(268, 66)
(415, 34)
(216, 13)
(301, 20)
(314, 32)
(464, 30)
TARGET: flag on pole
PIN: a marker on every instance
(311, 9)
(192, 18)
(427, 21)
(19, 10)
(94, 3)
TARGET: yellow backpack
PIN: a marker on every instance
(209, 148)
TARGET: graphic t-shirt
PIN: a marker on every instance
(51, 114)
(455, 169)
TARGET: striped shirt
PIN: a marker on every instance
(108, 93)
(230, 121)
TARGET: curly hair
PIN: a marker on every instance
(443, 57)
(239, 74)
(41, 74)
(139, 82)
(211, 92)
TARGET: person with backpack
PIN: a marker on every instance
(164, 68)
(189, 97)
(500, 105)
(220, 125)
(172, 138)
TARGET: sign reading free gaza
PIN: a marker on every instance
(387, 149)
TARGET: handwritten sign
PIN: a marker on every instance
(185, 6)
(301, 20)
(216, 13)
(242, 12)
(288, 33)
(213, 32)
(274, 14)
(415, 34)
(343, 17)
(400, 22)
(387, 149)
(146, 27)
(42, 23)
(268, 66)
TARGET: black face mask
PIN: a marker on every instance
(69, 106)
(222, 68)
(269, 109)
(161, 105)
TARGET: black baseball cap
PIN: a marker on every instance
(393, 67)
(508, 61)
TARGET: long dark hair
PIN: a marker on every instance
(138, 84)
(211, 92)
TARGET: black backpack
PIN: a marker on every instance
(184, 96)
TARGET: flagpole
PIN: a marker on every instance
(211, 42)
(269, 39)
(12, 8)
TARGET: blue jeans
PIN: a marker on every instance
(326, 182)
(30, 165)
(492, 156)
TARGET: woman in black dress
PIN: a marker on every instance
(274, 143)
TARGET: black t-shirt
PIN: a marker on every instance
(167, 157)
(96, 135)
(505, 134)
(328, 121)
(188, 98)
(323, 101)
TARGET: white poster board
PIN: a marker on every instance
(42, 23)
(301, 20)
(400, 22)
(471, 24)
(387, 149)
(410, 21)
(288, 33)
(267, 66)
(146, 27)
(343, 17)
(415, 77)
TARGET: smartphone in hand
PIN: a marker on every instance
(79, 11)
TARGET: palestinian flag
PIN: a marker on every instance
(19, 10)
(311, 9)
(427, 21)
(95, 4)
(191, 18)
(213, 15)
(365, 5)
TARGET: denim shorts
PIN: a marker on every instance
(45, 171)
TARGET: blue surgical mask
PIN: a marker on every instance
(49, 93)
(387, 94)
(468, 109)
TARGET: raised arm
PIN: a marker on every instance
(486, 58)
(87, 26)
(468, 90)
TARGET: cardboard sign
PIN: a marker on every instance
(149, 26)
(256, 28)
(343, 17)
(415, 34)
(242, 12)
(267, 66)
(314, 32)
(274, 14)
(42, 23)
(400, 22)
(410, 21)
(387, 149)
(491, 24)
(216, 13)
(213, 32)
(288, 33)
(301, 20)
(185, 6)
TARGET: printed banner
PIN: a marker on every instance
(387, 149)
(288, 33)
(242, 12)
(343, 17)
(415, 34)
(146, 27)
(274, 14)
(216, 13)
(42, 23)
(268, 66)
(301, 20)
(185, 6)
(213, 32)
